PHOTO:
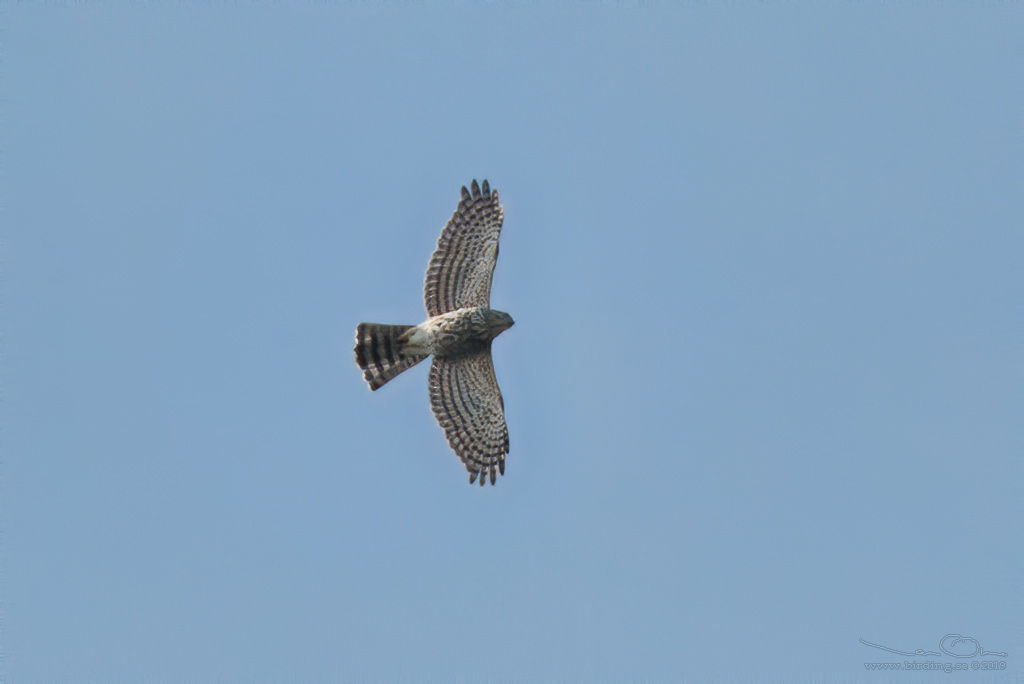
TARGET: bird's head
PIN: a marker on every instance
(499, 322)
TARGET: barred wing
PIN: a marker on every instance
(467, 402)
(459, 273)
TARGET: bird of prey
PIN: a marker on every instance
(460, 327)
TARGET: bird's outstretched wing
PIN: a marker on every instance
(466, 400)
(459, 273)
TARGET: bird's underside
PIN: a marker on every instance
(464, 392)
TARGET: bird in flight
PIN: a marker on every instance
(460, 327)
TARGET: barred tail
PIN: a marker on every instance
(379, 352)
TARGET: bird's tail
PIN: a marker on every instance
(379, 352)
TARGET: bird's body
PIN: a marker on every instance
(464, 393)
(458, 332)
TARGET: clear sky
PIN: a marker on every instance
(764, 391)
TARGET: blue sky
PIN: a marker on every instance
(764, 390)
